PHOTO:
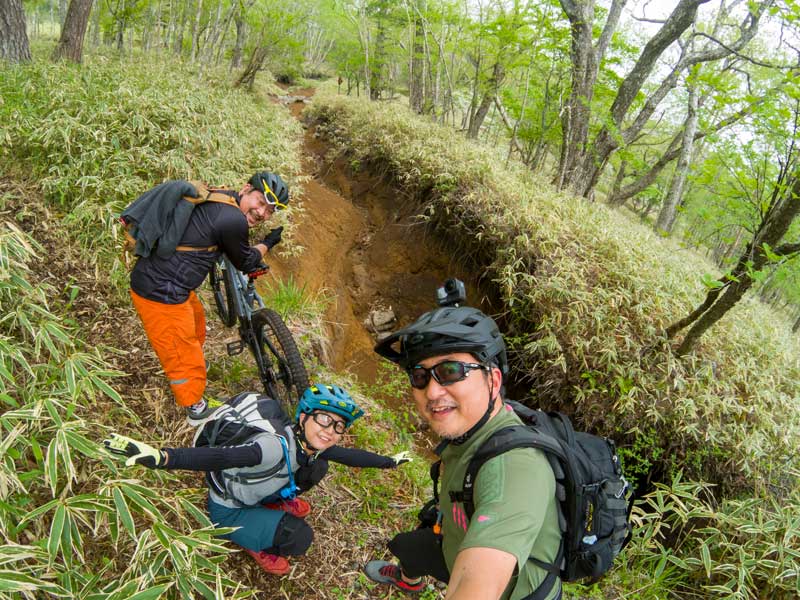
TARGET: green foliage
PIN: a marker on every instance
(290, 298)
(66, 534)
(737, 549)
(96, 137)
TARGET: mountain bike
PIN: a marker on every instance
(261, 329)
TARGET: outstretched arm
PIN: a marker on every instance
(355, 457)
(212, 459)
(192, 459)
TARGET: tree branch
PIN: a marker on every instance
(608, 30)
(731, 50)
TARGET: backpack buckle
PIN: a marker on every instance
(234, 348)
(624, 487)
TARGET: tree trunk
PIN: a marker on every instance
(256, 63)
(196, 31)
(70, 45)
(416, 91)
(14, 45)
(96, 25)
(62, 11)
(493, 85)
(236, 57)
(585, 59)
(377, 82)
(774, 225)
(613, 197)
(512, 144)
(119, 39)
(796, 326)
(666, 218)
(178, 47)
(715, 312)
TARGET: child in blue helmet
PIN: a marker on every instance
(257, 462)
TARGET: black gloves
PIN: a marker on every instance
(273, 238)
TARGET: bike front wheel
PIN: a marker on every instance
(282, 370)
(223, 287)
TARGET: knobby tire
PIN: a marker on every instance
(222, 285)
(291, 377)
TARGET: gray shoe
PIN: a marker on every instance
(195, 419)
(381, 571)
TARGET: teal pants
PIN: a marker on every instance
(257, 526)
(261, 528)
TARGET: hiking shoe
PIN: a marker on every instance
(381, 571)
(297, 508)
(271, 563)
(195, 417)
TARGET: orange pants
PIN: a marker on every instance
(177, 333)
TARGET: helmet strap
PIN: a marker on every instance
(481, 422)
(300, 435)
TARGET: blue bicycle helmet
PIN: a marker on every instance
(328, 398)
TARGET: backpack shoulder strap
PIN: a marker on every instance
(500, 442)
(208, 194)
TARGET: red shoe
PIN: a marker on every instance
(297, 508)
(271, 563)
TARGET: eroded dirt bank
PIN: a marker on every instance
(364, 247)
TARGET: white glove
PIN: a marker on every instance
(137, 453)
(401, 457)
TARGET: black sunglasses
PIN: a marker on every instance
(325, 421)
(445, 373)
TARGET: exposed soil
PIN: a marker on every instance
(364, 246)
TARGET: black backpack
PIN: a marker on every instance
(593, 496)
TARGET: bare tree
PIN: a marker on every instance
(582, 173)
(14, 45)
(70, 44)
(666, 217)
(416, 76)
(586, 58)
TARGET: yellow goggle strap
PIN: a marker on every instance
(267, 190)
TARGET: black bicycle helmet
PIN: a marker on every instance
(445, 330)
(278, 193)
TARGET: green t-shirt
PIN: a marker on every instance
(515, 507)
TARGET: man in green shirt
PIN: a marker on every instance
(456, 361)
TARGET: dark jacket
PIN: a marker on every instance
(160, 217)
(169, 279)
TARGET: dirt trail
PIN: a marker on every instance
(362, 246)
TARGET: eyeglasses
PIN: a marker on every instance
(445, 373)
(274, 202)
(325, 420)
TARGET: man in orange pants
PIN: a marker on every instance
(162, 285)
